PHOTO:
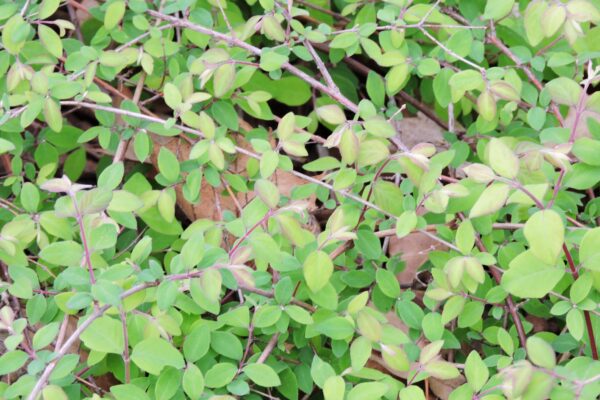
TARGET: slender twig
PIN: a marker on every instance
(268, 349)
(25, 7)
(324, 10)
(261, 221)
(493, 39)
(358, 66)
(572, 267)
(126, 358)
(62, 331)
(141, 37)
(86, 250)
(452, 53)
(321, 67)
(231, 31)
(510, 303)
(122, 147)
(73, 17)
(41, 382)
(248, 153)
(579, 110)
(258, 52)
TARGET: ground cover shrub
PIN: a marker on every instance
(308, 199)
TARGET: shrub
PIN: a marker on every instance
(200, 199)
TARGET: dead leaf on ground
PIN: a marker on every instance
(216, 200)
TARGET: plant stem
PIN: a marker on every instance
(586, 314)
(572, 267)
(248, 153)
(249, 231)
(258, 52)
(268, 349)
(509, 300)
(126, 358)
(86, 250)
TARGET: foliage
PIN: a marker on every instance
(211, 279)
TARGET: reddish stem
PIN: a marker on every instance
(586, 314)
(247, 234)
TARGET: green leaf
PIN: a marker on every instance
(50, 40)
(107, 292)
(128, 391)
(502, 159)
(486, 105)
(53, 392)
(395, 357)
(45, 335)
(360, 352)
(111, 176)
(12, 361)
(124, 201)
(497, 9)
(52, 115)
(114, 14)
(388, 196)
(192, 251)
(442, 370)
(344, 40)
(172, 96)
(379, 127)
(553, 17)
(6, 146)
(299, 314)
(30, 197)
(540, 352)
(317, 270)
(152, 355)
(368, 391)
(412, 392)
(168, 165)
(334, 388)
(141, 146)
(387, 282)
(104, 335)
(533, 21)
(463, 81)
(220, 375)
(197, 343)
(262, 375)
(564, 91)
(589, 250)
(266, 316)
(167, 384)
(67, 253)
(332, 114)
(193, 381)
(529, 277)
(406, 223)
(575, 323)
(223, 79)
(320, 371)
(491, 200)
(476, 371)
(337, 328)
(376, 88)
(536, 117)
(368, 243)
(587, 150)
(372, 152)
(47, 8)
(465, 237)
(267, 192)
(545, 234)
